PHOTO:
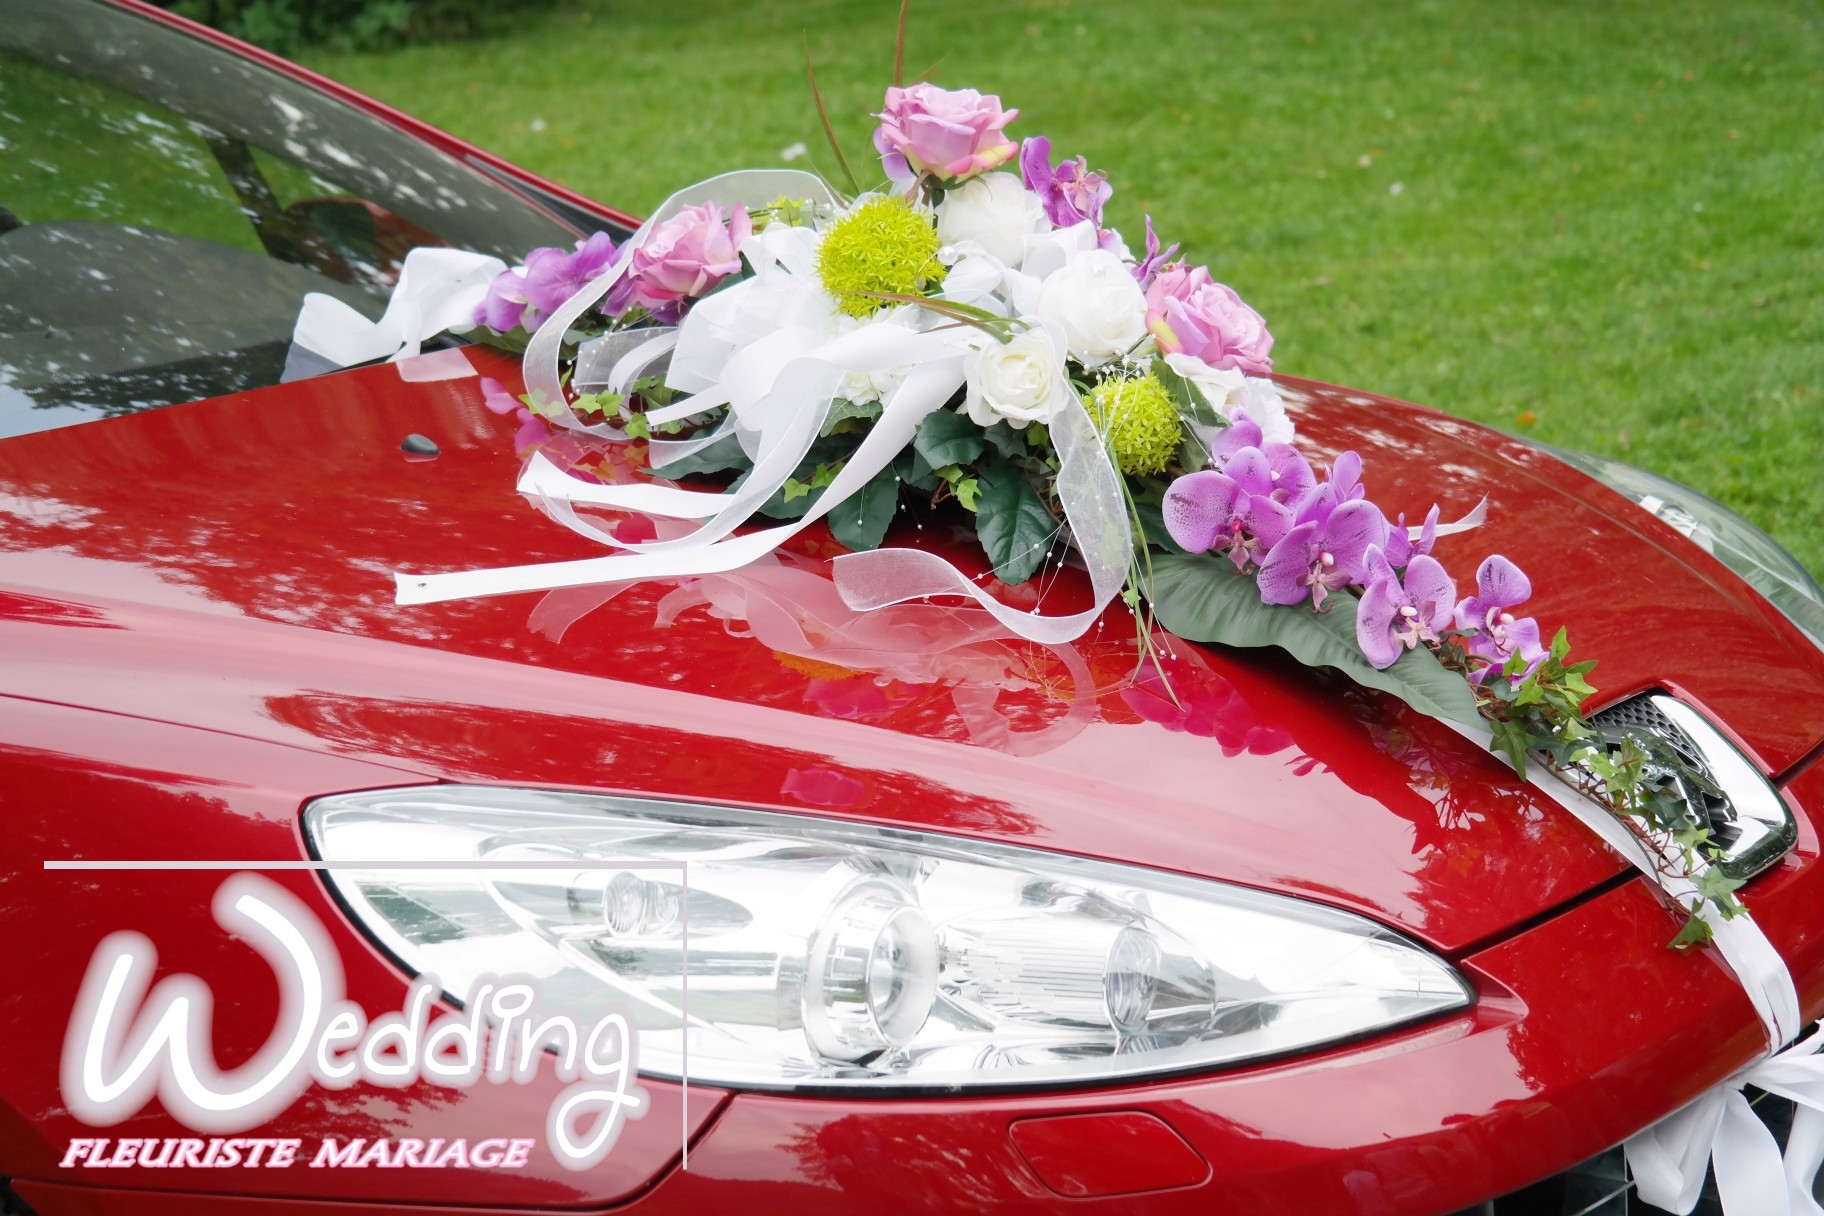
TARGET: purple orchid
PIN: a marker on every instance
(1401, 548)
(1071, 194)
(1288, 471)
(1498, 634)
(532, 429)
(1393, 618)
(1326, 550)
(1147, 268)
(1229, 512)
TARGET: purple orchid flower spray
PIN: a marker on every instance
(1396, 614)
(1327, 548)
(1498, 635)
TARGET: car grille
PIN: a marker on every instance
(1719, 787)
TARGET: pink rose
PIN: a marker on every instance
(681, 259)
(948, 134)
(1189, 313)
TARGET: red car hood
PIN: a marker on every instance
(226, 565)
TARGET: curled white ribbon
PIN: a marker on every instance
(1669, 1159)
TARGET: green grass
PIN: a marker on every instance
(1601, 225)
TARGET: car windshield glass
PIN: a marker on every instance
(165, 206)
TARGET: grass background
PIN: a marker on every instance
(1601, 225)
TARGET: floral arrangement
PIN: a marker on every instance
(1058, 371)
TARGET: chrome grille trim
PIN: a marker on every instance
(1744, 812)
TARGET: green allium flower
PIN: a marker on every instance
(1140, 419)
(882, 245)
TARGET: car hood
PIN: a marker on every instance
(227, 565)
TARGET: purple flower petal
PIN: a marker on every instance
(1281, 575)
(1269, 521)
(1501, 584)
(1197, 508)
(1249, 470)
(1346, 476)
(1379, 612)
(1231, 439)
(1291, 472)
(1431, 590)
(1350, 530)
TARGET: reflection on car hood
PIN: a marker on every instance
(227, 564)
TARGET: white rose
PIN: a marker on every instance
(1016, 382)
(1259, 399)
(1096, 302)
(1230, 393)
(992, 213)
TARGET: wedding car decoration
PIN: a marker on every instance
(970, 336)
(971, 332)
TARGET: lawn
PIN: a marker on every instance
(1600, 225)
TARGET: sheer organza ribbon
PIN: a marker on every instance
(776, 380)
(1669, 1159)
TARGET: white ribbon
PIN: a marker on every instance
(1669, 1159)
(438, 290)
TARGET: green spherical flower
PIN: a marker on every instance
(883, 245)
(1139, 419)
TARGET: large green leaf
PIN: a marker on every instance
(946, 437)
(860, 521)
(1013, 525)
(1202, 599)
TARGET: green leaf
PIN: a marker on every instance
(1191, 402)
(724, 453)
(842, 410)
(1013, 525)
(1151, 518)
(1005, 440)
(1201, 599)
(916, 471)
(947, 437)
(1694, 932)
(860, 521)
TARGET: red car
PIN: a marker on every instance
(909, 919)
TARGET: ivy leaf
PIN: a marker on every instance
(860, 521)
(1013, 525)
(1202, 599)
(946, 437)
(1694, 932)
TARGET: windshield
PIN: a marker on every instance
(165, 206)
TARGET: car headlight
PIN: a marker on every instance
(791, 951)
(1732, 540)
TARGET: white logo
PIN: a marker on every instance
(126, 1043)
